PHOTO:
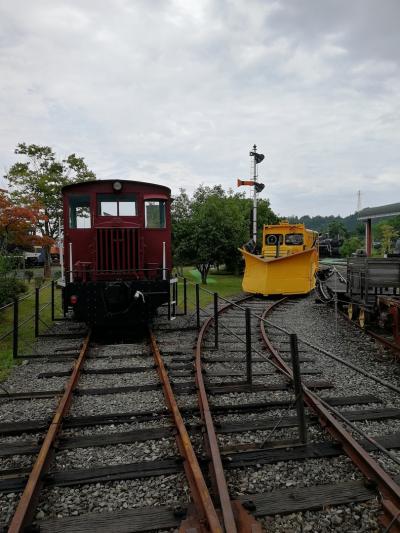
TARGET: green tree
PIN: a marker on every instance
(209, 228)
(387, 234)
(349, 246)
(337, 229)
(40, 178)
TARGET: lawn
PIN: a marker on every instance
(27, 324)
(225, 285)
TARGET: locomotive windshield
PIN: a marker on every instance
(155, 213)
(79, 212)
(294, 239)
(116, 205)
(272, 238)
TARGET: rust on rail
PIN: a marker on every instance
(388, 488)
(235, 517)
(26, 506)
(204, 517)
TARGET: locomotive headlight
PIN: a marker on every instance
(117, 186)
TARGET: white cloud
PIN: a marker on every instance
(177, 92)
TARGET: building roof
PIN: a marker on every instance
(379, 212)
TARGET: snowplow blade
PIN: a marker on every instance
(291, 274)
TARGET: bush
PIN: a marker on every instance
(350, 246)
(28, 275)
(39, 281)
(10, 288)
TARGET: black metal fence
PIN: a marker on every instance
(36, 318)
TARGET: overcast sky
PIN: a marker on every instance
(177, 92)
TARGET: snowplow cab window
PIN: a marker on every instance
(272, 238)
(155, 213)
(79, 212)
(294, 239)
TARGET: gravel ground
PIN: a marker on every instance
(97, 381)
(112, 496)
(117, 403)
(15, 410)
(352, 518)
(266, 478)
(17, 461)
(110, 362)
(150, 450)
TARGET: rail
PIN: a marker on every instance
(389, 489)
(235, 517)
(25, 510)
(206, 512)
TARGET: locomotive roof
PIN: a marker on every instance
(92, 183)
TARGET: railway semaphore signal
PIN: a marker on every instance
(258, 187)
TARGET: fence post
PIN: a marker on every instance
(52, 300)
(184, 297)
(216, 320)
(198, 305)
(64, 305)
(298, 388)
(15, 329)
(36, 312)
(249, 366)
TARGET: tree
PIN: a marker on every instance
(387, 234)
(337, 229)
(17, 225)
(349, 246)
(209, 228)
(40, 178)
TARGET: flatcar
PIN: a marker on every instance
(117, 250)
(369, 291)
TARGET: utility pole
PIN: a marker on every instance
(358, 201)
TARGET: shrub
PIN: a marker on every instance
(38, 282)
(28, 275)
(10, 288)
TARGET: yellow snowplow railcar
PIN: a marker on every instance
(287, 264)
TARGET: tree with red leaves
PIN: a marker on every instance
(18, 224)
(40, 178)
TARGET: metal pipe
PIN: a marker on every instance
(71, 275)
(164, 275)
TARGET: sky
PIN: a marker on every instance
(177, 92)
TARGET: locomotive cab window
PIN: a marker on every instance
(79, 212)
(155, 213)
(272, 238)
(116, 205)
(294, 239)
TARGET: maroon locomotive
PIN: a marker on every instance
(117, 250)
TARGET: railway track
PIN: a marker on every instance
(124, 455)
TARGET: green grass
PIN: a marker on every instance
(225, 285)
(26, 331)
